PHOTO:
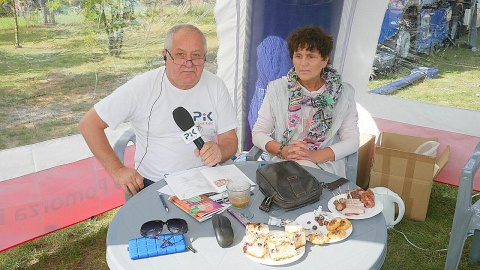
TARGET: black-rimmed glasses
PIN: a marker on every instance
(196, 61)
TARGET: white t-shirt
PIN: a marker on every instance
(148, 100)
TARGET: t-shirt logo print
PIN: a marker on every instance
(204, 118)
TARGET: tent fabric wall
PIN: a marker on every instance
(55, 198)
(356, 43)
(233, 23)
(357, 63)
(36, 181)
(51, 185)
(265, 19)
(28, 159)
(458, 128)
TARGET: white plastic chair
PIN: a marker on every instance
(466, 217)
(351, 166)
(121, 143)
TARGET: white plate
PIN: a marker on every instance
(270, 261)
(307, 221)
(369, 212)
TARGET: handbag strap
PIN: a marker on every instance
(335, 184)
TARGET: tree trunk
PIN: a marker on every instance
(17, 36)
(119, 42)
(52, 17)
(114, 33)
(45, 11)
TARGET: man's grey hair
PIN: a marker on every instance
(169, 36)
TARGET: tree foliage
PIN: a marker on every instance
(55, 5)
(112, 16)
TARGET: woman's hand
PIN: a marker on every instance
(298, 150)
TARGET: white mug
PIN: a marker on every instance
(389, 199)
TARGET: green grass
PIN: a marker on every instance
(457, 84)
(81, 246)
(430, 236)
(62, 70)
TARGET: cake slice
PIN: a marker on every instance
(255, 245)
(257, 228)
(297, 233)
(254, 242)
(280, 246)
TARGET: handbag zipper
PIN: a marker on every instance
(267, 203)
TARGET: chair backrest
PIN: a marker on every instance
(351, 167)
(462, 219)
(465, 188)
(122, 142)
(121, 145)
(273, 62)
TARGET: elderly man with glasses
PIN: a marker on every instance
(148, 100)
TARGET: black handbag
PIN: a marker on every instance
(289, 185)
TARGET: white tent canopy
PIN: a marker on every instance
(355, 48)
(356, 42)
(36, 175)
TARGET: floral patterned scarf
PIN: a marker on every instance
(323, 104)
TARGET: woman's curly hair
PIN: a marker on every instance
(312, 38)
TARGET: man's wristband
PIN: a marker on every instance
(279, 153)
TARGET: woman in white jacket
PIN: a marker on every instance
(309, 115)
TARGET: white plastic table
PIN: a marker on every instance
(365, 248)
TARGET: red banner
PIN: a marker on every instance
(40, 203)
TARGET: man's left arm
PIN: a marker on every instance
(213, 153)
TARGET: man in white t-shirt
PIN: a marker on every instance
(149, 99)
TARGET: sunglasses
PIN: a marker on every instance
(153, 228)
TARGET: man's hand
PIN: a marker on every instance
(210, 153)
(128, 179)
(93, 130)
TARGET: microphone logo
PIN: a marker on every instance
(191, 135)
(184, 121)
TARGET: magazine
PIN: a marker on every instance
(205, 180)
(199, 207)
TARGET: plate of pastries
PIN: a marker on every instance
(274, 247)
(325, 227)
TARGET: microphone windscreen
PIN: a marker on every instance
(183, 118)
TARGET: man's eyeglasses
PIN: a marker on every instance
(196, 61)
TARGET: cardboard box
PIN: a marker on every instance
(365, 159)
(410, 175)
